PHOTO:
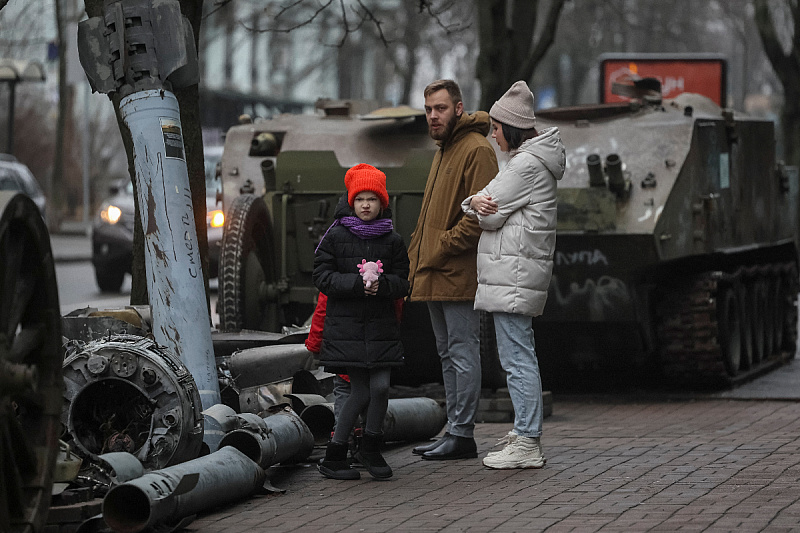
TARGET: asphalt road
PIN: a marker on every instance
(77, 288)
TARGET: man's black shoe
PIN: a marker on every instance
(419, 450)
(453, 448)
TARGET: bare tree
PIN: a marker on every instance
(514, 36)
(782, 46)
(64, 96)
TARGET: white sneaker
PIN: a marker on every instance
(522, 452)
(505, 441)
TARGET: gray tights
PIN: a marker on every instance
(369, 388)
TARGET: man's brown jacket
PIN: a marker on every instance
(443, 247)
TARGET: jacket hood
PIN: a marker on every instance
(478, 122)
(343, 209)
(547, 148)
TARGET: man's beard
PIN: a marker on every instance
(447, 131)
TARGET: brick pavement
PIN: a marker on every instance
(613, 464)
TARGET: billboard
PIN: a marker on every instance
(704, 74)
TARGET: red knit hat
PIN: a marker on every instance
(365, 177)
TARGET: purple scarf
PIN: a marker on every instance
(361, 229)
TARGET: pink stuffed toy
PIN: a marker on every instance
(369, 270)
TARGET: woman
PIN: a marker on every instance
(517, 212)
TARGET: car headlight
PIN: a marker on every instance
(111, 214)
(215, 219)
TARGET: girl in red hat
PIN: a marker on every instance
(361, 334)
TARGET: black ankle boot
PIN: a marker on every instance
(419, 450)
(335, 465)
(370, 456)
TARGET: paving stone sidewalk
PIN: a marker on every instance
(613, 464)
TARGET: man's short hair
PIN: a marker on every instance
(450, 86)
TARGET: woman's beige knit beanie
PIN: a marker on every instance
(515, 108)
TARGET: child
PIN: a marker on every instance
(341, 382)
(361, 333)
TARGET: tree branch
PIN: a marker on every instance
(218, 4)
(369, 15)
(525, 72)
(781, 63)
(285, 9)
(427, 7)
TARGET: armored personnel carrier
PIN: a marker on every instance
(677, 243)
(676, 253)
(281, 181)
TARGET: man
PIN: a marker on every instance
(443, 255)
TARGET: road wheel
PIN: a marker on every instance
(769, 315)
(789, 284)
(109, 279)
(758, 305)
(247, 271)
(30, 366)
(778, 298)
(729, 333)
(746, 326)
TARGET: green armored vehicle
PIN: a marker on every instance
(676, 248)
(676, 252)
(281, 180)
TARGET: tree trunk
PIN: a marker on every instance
(508, 51)
(787, 68)
(63, 95)
(492, 69)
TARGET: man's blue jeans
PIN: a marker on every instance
(517, 351)
(456, 326)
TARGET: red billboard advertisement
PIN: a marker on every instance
(701, 73)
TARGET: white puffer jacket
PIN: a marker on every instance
(515, 252)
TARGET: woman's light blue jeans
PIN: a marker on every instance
(517, 351)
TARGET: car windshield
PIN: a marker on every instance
(10, 181)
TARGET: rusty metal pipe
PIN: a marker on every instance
(407, 419)
(320, 420)
(293, 438)
(268, 364)
(301, 401)
(218, 420)
(595, 165)
(279, 438)
(411, 419)
(179, 491)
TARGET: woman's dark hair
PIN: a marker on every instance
(515, 136)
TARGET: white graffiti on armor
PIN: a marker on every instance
(589, 257)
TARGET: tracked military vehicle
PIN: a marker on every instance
(676, 252)
(281, 181)
(677, 243)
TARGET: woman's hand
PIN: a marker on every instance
(483, 205)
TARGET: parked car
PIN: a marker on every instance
(16, 176)
(112, 230)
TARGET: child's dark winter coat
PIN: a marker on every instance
(360, 330)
